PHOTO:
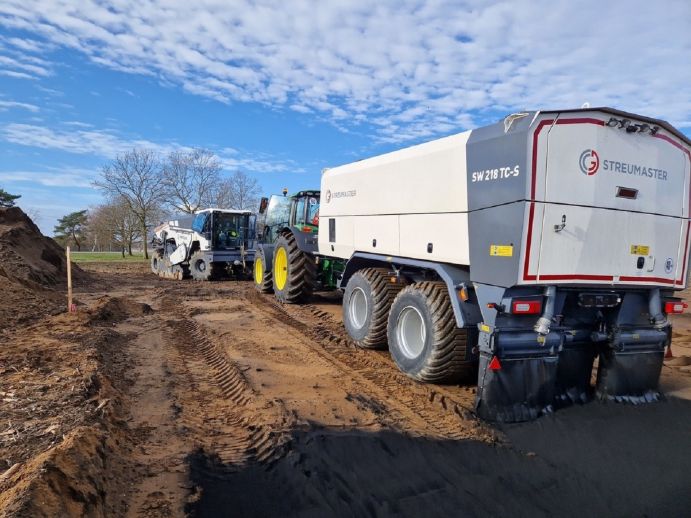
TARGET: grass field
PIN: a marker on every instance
(95, 257)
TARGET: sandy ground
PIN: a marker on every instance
(167, 398)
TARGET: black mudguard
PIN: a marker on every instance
(522, 390)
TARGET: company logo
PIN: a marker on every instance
(340, 194)
(589, 162)
(669, 265)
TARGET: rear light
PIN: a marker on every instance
(526, 307)
(675, 306)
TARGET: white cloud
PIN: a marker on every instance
(80, 138)
(16, 75)
(102, 143)
(7, 105)
(20, 60)
(412, 69)
(66, 177)
(27, 68)
(233, 160)
(29, 45)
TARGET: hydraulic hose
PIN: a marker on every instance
(545, 321)
(658, 318)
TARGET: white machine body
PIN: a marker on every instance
(574, 197)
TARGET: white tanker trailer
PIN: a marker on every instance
(518, 252)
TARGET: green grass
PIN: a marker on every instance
(105, 257)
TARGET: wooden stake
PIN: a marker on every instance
(70, 309)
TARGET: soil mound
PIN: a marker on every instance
(32, 267)
(58, 420)
(29, 257)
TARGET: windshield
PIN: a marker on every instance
(277, 216)
(199, 222)
(230, 230)
(307, 211)
(278, 213)
(313, 211)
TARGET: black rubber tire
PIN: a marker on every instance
(375, 284)
(265, 284)
(445, 356)
(200, 268)
(302, 272)
(156, 262)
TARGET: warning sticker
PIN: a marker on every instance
(501, 250)
(640, 250)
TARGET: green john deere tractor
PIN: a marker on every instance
(286, 260)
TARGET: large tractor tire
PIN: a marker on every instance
(366, 303)
(200, 267)
(423, 338)
(263, 280)
(294, 272)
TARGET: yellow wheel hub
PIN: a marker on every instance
(258, 271)
(281, 268)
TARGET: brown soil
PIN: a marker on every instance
(169, 398)
(32, 267)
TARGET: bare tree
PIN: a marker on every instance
(34, 213)
(135, 177)
(189, 179)
(238, 191)
(114, 223)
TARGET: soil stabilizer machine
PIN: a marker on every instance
(208, 245)
(518, 253)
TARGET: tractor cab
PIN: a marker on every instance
(298, 213)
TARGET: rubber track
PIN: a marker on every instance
(302, 273)
(383, 294)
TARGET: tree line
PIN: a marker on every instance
(141, 187)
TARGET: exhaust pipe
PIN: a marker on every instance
(545, 321)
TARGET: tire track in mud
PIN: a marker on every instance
(221, 390)
(432, 409)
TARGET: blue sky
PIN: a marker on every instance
(281, 90)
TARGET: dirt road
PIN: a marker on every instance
(166, 398)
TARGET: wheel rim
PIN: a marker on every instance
(258, 271)
(411, 332)
(201, 265)
(281, 268)
(155, 263)
(357, 308)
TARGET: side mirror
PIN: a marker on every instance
(263, 204)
